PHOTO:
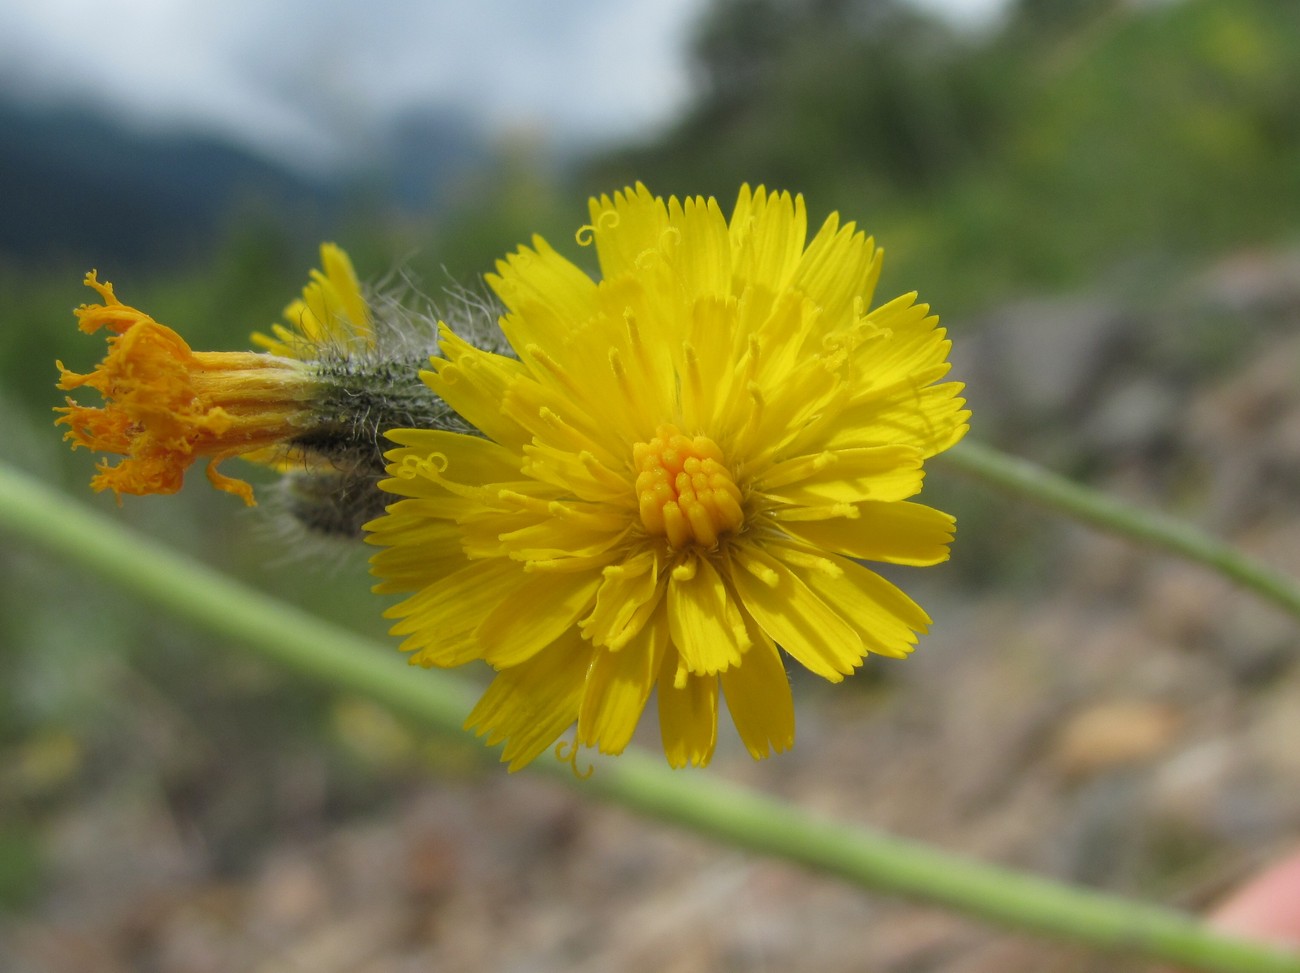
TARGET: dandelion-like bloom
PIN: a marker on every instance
(678, 474)
(167, 405)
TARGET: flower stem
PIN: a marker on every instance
(351, 663)
(1155, 529)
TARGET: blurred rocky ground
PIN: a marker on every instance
(1083, 709)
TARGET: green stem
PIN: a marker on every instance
(1158, 530)
(732, 814)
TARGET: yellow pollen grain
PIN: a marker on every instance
(684, 490)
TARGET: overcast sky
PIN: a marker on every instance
(304, 78)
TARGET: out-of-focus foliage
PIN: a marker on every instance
(1077, 135)
(860, 97)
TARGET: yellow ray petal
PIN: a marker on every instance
(688, 715)
(707, 629)
(845, 476)
(887, 620)
(812, 631)
(895, 533)
(537, 612)
(767, 237)
(758, 696)
(531, 704)
(932, 419)
(618, 685)
(628, 595)
(624, 227)
(702, 255)
(538, 279)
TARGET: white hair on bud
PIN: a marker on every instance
(405, 313)
(368, 389)
(280, 527)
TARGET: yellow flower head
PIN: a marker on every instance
(679, 474)
(166, 405)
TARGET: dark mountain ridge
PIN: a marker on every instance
(81, 186)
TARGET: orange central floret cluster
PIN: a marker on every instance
(684, 490)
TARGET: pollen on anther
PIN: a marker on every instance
(685, 492)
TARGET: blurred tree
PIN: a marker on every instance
(1054, 17)
(859, 99)
(1075, 137)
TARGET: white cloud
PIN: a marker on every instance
(313, 79)
(311, 74)
(159, 62)
(973, 13)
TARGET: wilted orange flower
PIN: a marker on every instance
(166, 405)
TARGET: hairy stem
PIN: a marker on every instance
(1152, 528)
(705, 804)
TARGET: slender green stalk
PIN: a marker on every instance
(740, 817)
(1150, 527)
